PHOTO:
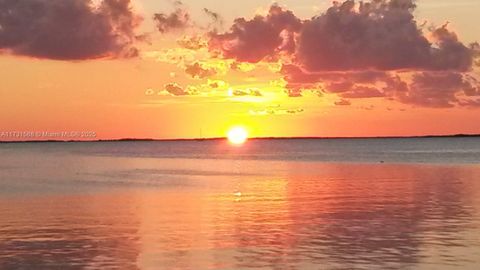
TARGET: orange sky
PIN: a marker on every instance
(155, 93)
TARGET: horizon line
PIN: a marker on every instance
(253, 138)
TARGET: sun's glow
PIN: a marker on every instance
(237, 135)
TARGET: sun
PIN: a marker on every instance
(237, 135)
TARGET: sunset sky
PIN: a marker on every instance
(170, 69)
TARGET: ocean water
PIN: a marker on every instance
(269, 204)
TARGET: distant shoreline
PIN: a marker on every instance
(255, 139)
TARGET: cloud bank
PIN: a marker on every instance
(68, 29)
(364, 49)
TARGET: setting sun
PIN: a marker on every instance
(237, 135)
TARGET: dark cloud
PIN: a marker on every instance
(249, 92)
(242, 67)
(192, 42)
(380, 35)
(277, 110)
(176, 90)
(215, 84)
(294, 111)
(370, 50)
(359, 50)
(68, 30)
(448, 53)
(343, 102)
(293, 90)
(339, 87)
(214, 15)
(352, 84)
(217, 19)
(255, 92)
(394, 84)
(475, 47)
(471, 86)
(437, 89)
(181, 19)
(295, 74)
(253, 40)
(177, 20)
(197, 70)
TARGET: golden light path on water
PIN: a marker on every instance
(112, 206)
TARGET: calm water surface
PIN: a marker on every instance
(304, 204)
